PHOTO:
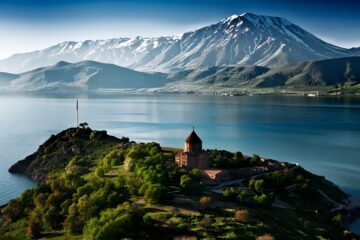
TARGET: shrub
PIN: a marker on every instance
(51, 218)
(263, 199)
(34, 225)
(182, 225)
(259, 186)
(190, 184)
(122, 222)
(147, 218)
(205, 201)
(155, 193)
(113, 158)
(300, 178)
(265, 237)
(99, 172)
(255, 160)
(235, 194)
(230, 193)
(337, 219)
(242, 195)
(129, 164)
(98, 134)
(241, 215)
(207, 221)
(134, 183)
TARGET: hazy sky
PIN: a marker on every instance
(27, 25)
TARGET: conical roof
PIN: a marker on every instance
(193, 138)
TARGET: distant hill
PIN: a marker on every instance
(313, 73)
(246, 39)
(5, 78)
(218, 76)
(86, 75)
(91, 75)
(305, 74)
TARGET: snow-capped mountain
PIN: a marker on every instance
(246, 39)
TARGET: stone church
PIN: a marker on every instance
(193, 156)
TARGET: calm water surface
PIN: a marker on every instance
(322, 134)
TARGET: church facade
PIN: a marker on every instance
(193, 156)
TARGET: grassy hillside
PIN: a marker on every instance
(314, 73)
(94, 186)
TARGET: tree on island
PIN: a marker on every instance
(83, 125)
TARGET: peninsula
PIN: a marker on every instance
(96, 186)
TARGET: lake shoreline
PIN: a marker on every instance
(309, 93)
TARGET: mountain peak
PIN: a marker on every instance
(248, 14)
(266, 20)
(61, 64)
(259, 21)
(229, 19)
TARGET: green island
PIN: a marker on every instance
(95, 186)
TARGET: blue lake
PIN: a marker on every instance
(321, 134)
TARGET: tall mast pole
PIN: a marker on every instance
(77, 112)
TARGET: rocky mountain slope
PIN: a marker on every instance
(304, 74)
(246, 39)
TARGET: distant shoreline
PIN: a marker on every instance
(222, 93)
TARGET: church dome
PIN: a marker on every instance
(193, 138)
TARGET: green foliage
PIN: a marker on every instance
(275, 181)
(189, 184)
(129, 164)
(255, 160)
(115, 157)
(338, 219)
(264, 199)
(134, 183)
(34, 225)
(257, 185)
(90, 199)
(225, 159)
(122, 222)
(52, 218)
(102, 134)
(235, 194)
(155, 193)
(20, 207)
(100, 172)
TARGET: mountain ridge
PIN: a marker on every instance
(245, 39)
(91, 75)
(328, 72)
